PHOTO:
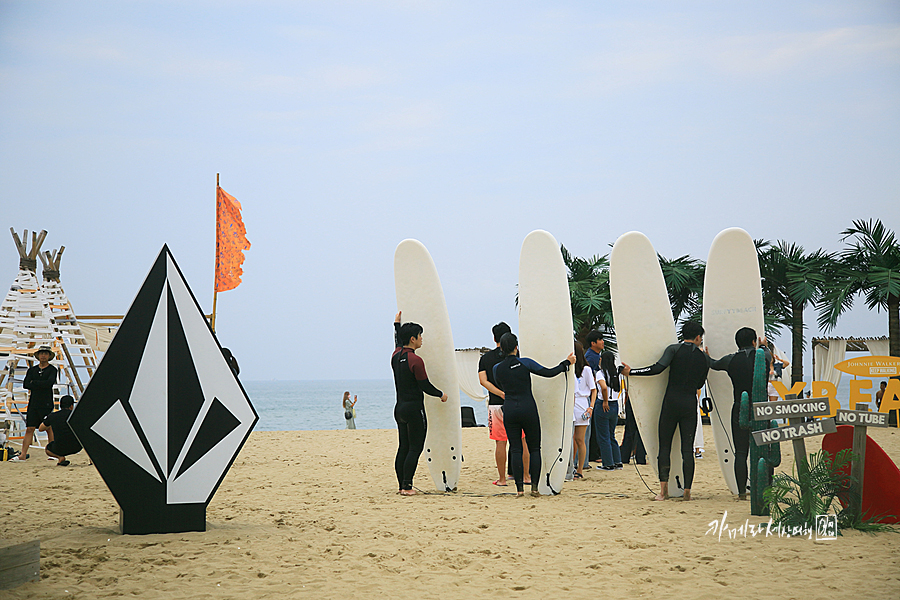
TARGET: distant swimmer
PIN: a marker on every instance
(411, 383)
(688, 367)
(740, 369)
(513, 376)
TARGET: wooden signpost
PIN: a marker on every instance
(795, 411)
(861, 420)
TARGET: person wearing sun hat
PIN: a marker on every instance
(40, 379)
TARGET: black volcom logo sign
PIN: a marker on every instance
(163, 417)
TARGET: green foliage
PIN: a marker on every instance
(592, 304)
(684, 283)
(869, 265)
(795, 499)
(791, 280)
(589, 294)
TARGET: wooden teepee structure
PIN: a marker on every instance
(77, 354)
(25, 326)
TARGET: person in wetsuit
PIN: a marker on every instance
(740, 369)
(688, 367)
(411, 383)
(513, 376)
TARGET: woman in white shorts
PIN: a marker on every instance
(585, 397)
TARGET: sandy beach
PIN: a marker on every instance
(315, 514)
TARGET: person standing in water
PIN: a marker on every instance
(513, 376)
(411, 384)
(688, 367)
(349, 411)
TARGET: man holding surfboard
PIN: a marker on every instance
(411, 383)
(688, 367)
(739, 366)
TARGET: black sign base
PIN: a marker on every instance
(176, 518)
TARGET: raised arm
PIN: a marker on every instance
(720, 364)
(656, 368)
(541, 371)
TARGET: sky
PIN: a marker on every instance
(345, 127)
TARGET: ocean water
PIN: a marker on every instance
(316, 405)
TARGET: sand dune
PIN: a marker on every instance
(315, 514)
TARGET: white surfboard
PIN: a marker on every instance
(545, 335)
(421, 299)
(644, 328)
(732, 298)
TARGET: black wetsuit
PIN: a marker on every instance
(411, 384)
(513, 376)
(740, 369)
(679, 408)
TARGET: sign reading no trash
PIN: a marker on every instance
(793, 432)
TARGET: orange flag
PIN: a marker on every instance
(231, 241)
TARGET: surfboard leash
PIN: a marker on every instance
(712, 399)
(562, 439)
(636, 470)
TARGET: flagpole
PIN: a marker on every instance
(212, 322)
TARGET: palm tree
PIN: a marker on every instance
(869, 265)
(684, 282)
(592, 304)
(792, 279)
(589, 294)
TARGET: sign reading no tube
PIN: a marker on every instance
(861, 417)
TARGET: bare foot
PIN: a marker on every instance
(535, 493)
(687, 495)
(500, 482)
(408, 492)
(660, 498)
(520, 494)
(527, 482)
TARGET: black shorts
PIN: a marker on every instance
(58, 450)
(36, 414)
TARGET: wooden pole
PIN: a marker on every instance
(212, 321)
(858, 465)
(799, 444)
